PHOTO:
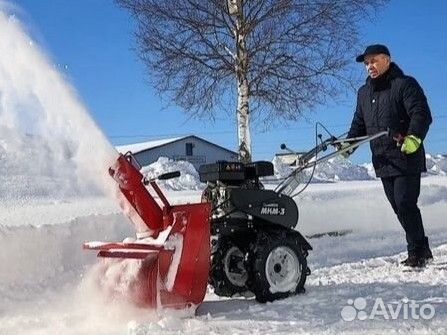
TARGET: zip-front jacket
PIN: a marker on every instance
(396, 102)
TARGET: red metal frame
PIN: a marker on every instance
(189, 224)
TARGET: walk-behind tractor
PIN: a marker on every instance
(255, 249)
(241, 239)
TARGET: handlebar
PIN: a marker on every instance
(306, 161)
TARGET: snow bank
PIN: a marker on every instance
(436, 164)
(370, 168)
(339, 169)
(335, 169)
(188, 180)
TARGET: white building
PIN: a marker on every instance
(190, 148)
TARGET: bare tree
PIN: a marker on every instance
(286, 56)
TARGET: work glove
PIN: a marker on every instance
(344, 145)
(410, 144)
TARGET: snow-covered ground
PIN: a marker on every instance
(47, 281)
(55, 193)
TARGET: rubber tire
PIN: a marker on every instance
(266, 243)
(218, 279)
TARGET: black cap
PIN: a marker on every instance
(374, 49)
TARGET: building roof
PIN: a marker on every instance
(144, 146)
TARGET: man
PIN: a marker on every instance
(391, 100)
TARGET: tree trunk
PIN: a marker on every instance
(243, 121)
(243, 111)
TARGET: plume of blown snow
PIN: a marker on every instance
(45, 130)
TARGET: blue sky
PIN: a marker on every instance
(91, 42)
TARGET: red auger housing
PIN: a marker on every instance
(175, 248)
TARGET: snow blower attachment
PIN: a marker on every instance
(242, 239)
(175, 252)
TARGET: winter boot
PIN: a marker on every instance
(418, 258)
(414, 261)
(428, 255)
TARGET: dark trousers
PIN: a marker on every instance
(402, 193)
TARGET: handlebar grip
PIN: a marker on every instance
(169, 175)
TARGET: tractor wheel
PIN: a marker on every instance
(279, 267)
(228, 273)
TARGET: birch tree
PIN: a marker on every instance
(274, 60)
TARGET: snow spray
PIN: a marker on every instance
(45, 130)
(49, 143)
(47, 138)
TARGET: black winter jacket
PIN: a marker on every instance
(393, 101)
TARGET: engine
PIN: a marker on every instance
(223, 178)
